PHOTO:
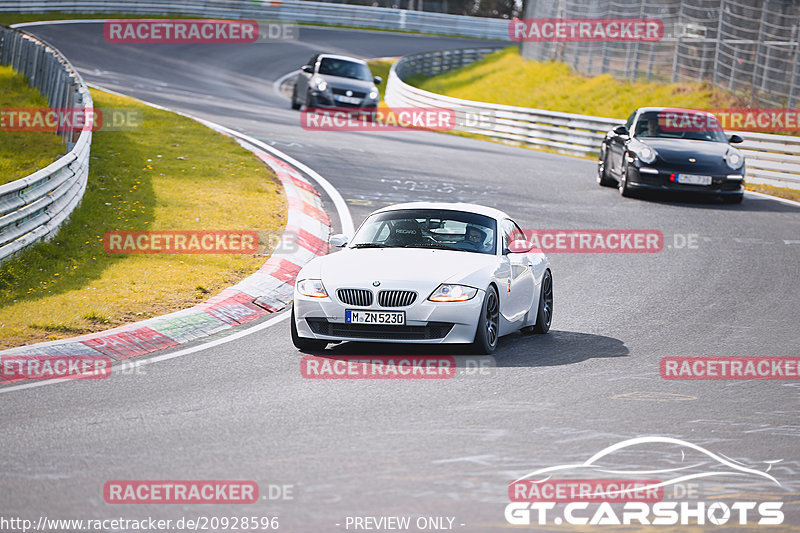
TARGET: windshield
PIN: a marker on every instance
(680, 124)
(428, 228)
(345, 69)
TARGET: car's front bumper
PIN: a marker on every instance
(326, 99)
(663, 179)
(426, 322)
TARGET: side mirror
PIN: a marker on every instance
(735, 139)
(339, 240)
(308, 69)
(377, 80)
(621, 130)
(519, 247)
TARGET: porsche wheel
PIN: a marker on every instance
(624, 190)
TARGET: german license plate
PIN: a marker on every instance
(347, 99)
(387, 318)
(694, 179)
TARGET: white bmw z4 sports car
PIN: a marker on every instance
(424, 272)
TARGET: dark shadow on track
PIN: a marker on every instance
(698, 201)
(515, 350)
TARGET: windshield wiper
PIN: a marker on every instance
(430, 246)
(370, 245)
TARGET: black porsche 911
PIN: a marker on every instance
(666, 149)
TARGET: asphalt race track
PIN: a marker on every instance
(449, 448)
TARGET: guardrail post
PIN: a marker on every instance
(795, 74)
(718, 43)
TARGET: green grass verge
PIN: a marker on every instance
(381, 67)
(172, 173)
(504, 77)
(23, 152)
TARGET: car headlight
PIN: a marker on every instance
(373, 95)
(646, 154)
(734, 159)
(448, 292)
(322, 85)
(312, 287)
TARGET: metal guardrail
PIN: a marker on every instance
(32, 208)
(771, 159)
(282, 11)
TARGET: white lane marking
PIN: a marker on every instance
(770, 197)
(48, 22)
(276, 85)
(180, 353)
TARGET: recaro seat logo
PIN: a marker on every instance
(581, 494)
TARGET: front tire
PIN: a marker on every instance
(303, 344)
(624, 190)
(488, 331)
(544, 317)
